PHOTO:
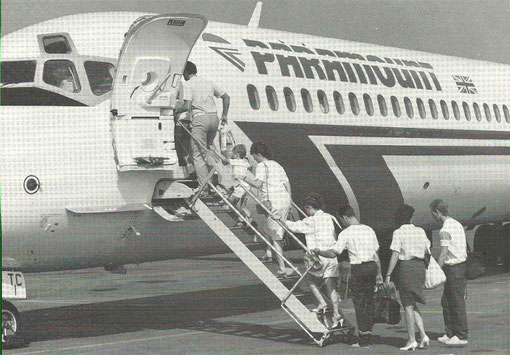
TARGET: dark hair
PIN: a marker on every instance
(404, 215)
(190, 68)
(240, 149)
(314, 201)
(262, 149)
(439, 205)
(346, 211)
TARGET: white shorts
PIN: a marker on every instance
(329, 268)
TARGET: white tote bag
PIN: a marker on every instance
(434, 275)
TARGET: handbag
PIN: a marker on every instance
(267, 203)
(386, 305)
(434, 276)
(474, 266)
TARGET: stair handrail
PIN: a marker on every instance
(220, 157)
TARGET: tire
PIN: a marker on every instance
(10, 320)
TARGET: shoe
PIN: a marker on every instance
(284, 274)
(444, 339)
(358, 345)
(424, 342)
(266, 259)
(411, 346)
(339, 323)
(454, 340)
(320, 309)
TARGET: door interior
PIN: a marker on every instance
(146, 89)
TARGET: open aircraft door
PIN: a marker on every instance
(147, 87)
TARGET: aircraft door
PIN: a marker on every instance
(146, 89)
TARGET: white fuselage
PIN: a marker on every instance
(86, 212)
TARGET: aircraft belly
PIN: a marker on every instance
(468, 183)
(82, 240)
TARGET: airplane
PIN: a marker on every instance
(91, 173)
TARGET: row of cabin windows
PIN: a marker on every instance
(433, 109)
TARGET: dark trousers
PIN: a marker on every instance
(362, 289)
(453, 303)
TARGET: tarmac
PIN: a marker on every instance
(216, 305)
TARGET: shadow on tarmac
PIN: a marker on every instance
(190, 310)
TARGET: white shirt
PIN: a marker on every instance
(318, 229)
(361, 242)
(410, 241)
(273, 177)
(201, 93)
(240, 169)
(456, 243)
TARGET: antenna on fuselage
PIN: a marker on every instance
(255, 17)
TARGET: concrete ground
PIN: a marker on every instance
(216, 305)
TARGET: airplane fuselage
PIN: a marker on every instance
(325, 107)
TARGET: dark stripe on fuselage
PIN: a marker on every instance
(31, 96)
(364, 167)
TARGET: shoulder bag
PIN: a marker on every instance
(474, 266)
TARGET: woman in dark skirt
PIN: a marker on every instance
(409, 246)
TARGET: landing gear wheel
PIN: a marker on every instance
(10, 321)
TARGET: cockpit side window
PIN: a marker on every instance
(62, 74)
(56, 44)
(18, 72)
(100, 76)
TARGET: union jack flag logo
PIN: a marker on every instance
(465, 84)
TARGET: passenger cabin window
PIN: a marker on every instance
(382, 105)
(396, 106)
(369, 106)
(253, 97)
(290, 100)
(433, 109)
(467, 111)
(56, 44)
(409, 107)
(62, 74)
(478, 114)
(100, 76)
(497, 114)
(17, 72)
(339, 102)
(323, 101)
(444, 109)
(507, 114)
(272, 99)
(354, 103)
(421, 108)
(456, 111)
(307, 100)
(487, 112)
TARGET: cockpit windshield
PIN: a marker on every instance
(17, 72)
(62, 74)
(100, 75)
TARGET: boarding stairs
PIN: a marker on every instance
(315, 326)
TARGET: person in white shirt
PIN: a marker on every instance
(409, 246)
(452, 259)
(198, 96)
(273, 184)
(361, 242)
(319, 233)
(240, 165)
